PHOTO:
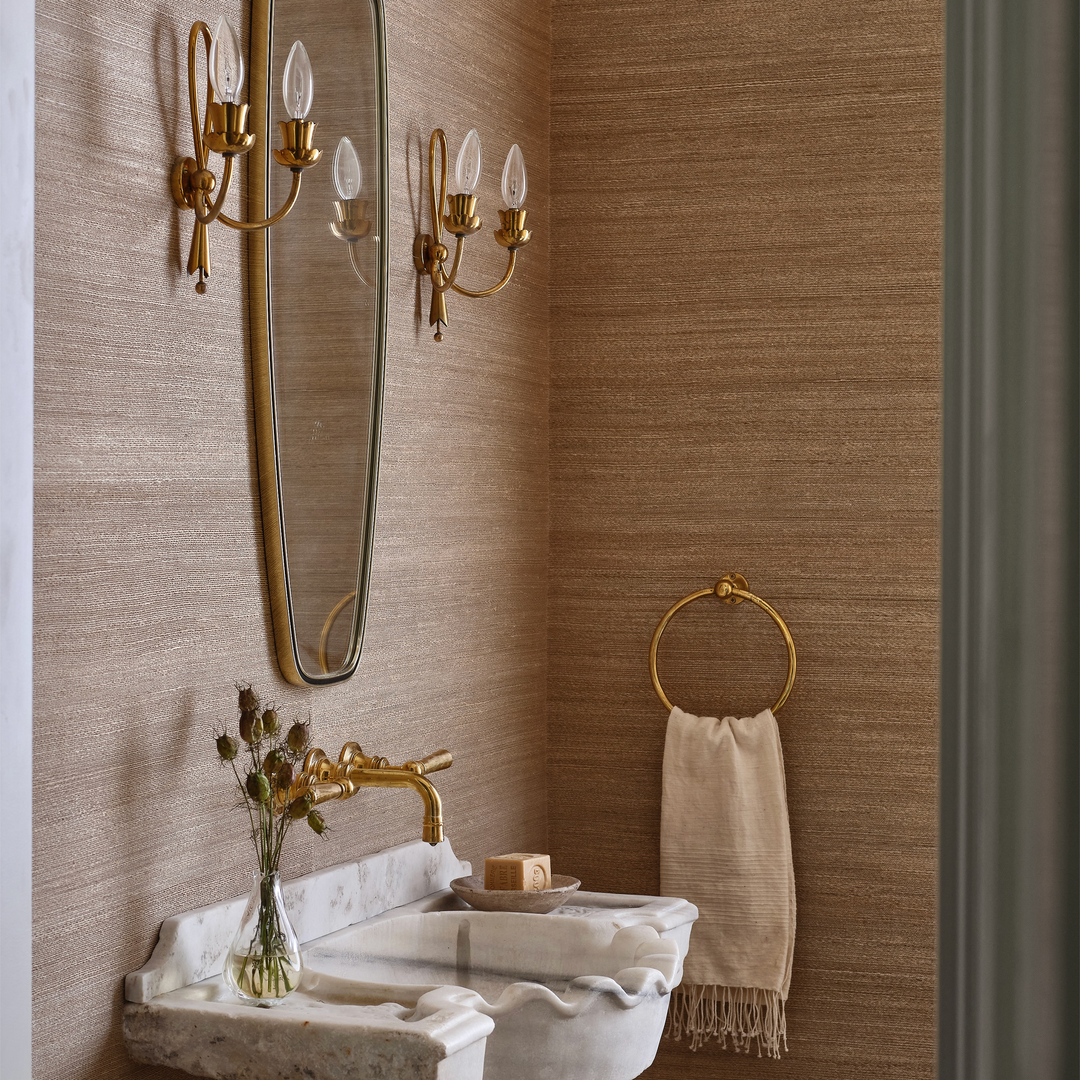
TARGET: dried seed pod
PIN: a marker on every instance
(251, 728)
(317, 822)
(248, 699)
(284, 776)
(301, 807)
(298, 738)
(272, 761)
(258, 787)
(226, 747)
(270, 722)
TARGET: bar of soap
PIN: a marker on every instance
(519, 871)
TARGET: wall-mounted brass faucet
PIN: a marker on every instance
(323, 780)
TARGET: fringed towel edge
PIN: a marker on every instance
(741, 1013)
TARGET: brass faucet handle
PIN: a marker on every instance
(352, 757)
(317, 764)
(441, 759)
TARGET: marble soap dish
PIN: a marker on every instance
(534, 901)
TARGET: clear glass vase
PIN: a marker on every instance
(263, 966)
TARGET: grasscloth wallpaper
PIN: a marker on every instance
(745, 294)
(150, 595)
(742, 204)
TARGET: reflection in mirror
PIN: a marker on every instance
(318, 330)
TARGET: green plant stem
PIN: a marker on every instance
(247, 803)
(261, 847)
(265, 969)
(266, 965)
(283, 827)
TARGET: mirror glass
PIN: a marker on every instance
(318, 328)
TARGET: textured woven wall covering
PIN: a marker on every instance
(150, 595)
(745, 375)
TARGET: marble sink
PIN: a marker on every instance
(403, 980)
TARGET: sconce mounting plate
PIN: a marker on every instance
(427, 254)
(182, 172)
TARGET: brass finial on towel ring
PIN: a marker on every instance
(732, 589)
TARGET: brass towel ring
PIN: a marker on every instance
(732, 589)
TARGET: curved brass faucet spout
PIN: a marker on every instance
(323, 780)
(433, 831)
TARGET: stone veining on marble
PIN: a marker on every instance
(193, 946)
(580, 992)
(204, 1030)
(404, 981)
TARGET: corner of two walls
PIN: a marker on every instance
(744, 351)
(150, 595)
(745, 376)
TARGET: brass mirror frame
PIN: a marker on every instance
(260, 295)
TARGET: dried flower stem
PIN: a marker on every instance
(265, 970)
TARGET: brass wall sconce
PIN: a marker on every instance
(225, 132)
(430, 254)
(352, 223)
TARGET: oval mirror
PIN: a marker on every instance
(317, 289)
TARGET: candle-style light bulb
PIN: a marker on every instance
(515, 181)
(226, 62)
(297, 84)
(348, 173)
(469, 160)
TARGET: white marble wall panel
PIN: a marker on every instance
(192, 946)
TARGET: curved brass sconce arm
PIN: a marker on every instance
(356, 268)
(430, 254)
(197, 131)
(224, 130)
(249, 226)
(323, 780)
(494, 288)
(353, 225)
(438, 135)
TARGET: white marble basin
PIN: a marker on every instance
(402, 980)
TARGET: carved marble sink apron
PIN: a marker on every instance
(403, 980)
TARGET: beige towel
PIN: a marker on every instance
(726, 847)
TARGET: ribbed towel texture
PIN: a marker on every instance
(725, 845)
